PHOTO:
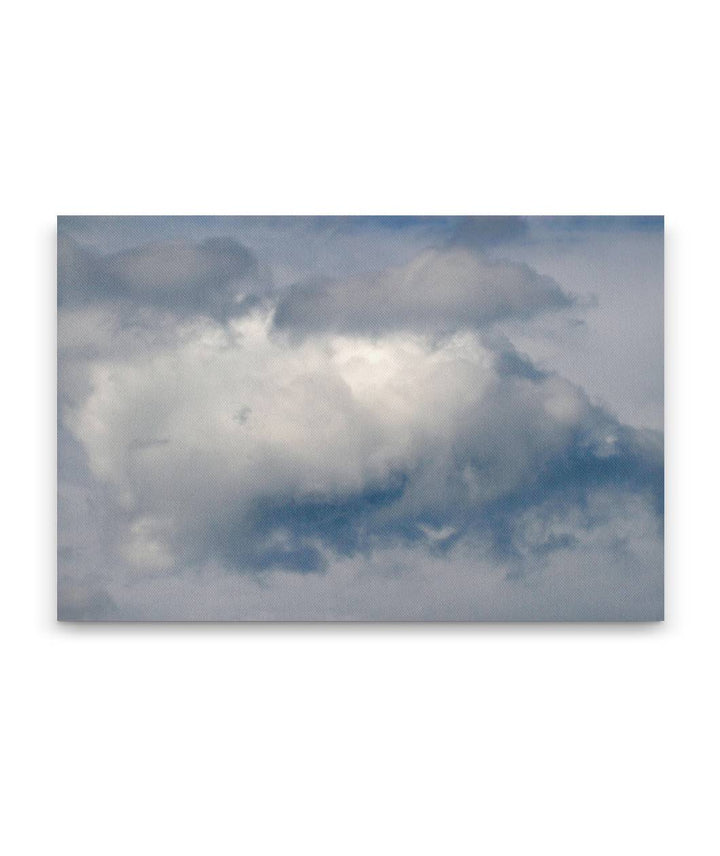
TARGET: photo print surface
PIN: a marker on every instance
(360, 418)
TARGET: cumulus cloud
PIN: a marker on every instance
(394, 456)
(346, 445)
(439, 291)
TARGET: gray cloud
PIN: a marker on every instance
(86, 605)
(180, 277)
(484, 232)
(439, 291)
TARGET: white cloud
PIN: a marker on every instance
(329, 418)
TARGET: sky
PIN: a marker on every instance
(360, 418)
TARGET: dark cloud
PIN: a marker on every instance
(440, 291)
(180, 277)
(481, 233)
(286, 531)
(476, 232)
(609, 223)
(509, 363)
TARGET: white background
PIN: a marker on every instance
(359, 739)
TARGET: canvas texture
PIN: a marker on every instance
(360, 418)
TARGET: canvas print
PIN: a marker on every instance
(360, 418)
